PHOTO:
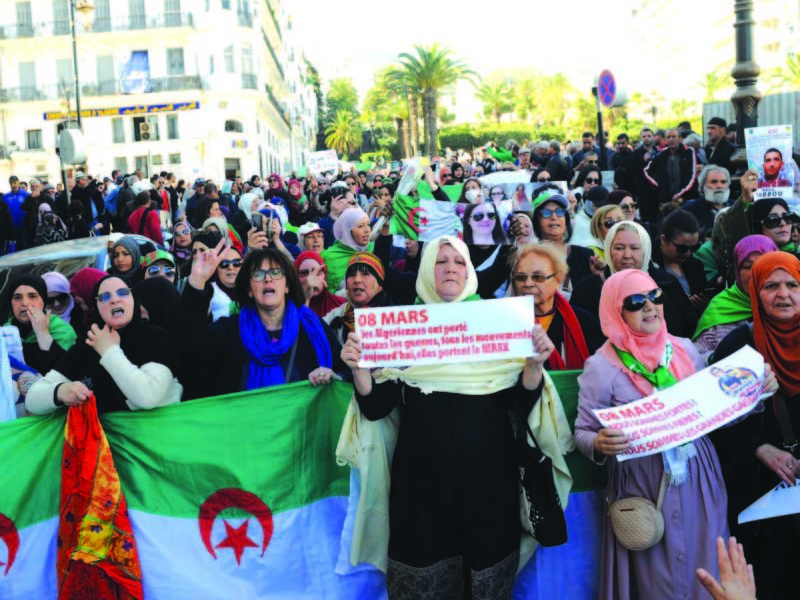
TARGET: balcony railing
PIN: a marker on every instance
(101, 24)
(272, 53)
(138, 22)
(103, 88)
(249, 81)
(277, 105)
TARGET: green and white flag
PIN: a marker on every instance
(231, 497)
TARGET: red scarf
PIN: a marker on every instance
(325, 302)
(96, 548)
(574, 344)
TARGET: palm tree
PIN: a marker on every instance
(495, 98)
(431, 69)
(386, 101)
(524, 98)
(344, 133)
(402, 81)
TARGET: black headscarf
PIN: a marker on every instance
(36, 283)
(161, 298)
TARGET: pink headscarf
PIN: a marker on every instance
(647, 349)
(300, 187)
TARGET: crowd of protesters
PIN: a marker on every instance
(639, 282)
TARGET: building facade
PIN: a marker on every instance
(202, 88)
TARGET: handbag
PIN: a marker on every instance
(539, 505)
(638, 523)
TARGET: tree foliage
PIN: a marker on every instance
(343, 134)
(342, 97)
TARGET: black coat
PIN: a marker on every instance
(89, 195)
(721, 156)
(678, 312)
(657, 173)
(215, 361)
(623, 163)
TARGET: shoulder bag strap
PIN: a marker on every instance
(785, 423)
(662, 491)
(288, 372)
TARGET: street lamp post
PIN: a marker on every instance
(85, 7)
(745, 72)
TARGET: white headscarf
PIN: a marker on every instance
(644, 237)
(426, 280)
(343, 225)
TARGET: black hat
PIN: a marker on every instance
(718, 121)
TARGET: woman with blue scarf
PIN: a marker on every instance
(274, 339)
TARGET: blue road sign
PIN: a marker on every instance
(607, 88)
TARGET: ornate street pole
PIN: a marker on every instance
(745, 72)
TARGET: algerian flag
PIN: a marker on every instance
(231, 497)
(438, 218)
(453, 191)
(405, 218)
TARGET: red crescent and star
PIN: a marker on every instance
(9, 534)
(237, 538)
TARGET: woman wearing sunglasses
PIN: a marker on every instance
(59, 299)
(552, 223)
(223, 282)
(754, 451)
(454, 493)
(181, 246)
(604, 218)
(126, 362)
(772, 218)
(539, 270)
(639, 358)
(482, 225)
(679, 240)
(274, 339)
(626, 203)
(160, 263)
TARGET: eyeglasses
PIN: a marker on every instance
(500, 194)
(196, 250)
(261, 274)
(636, 302)
(58, 299)
(537, 277)
(542, 179)
(477, 217)
(629, 206)
(684, 248)
(272, 180)
(158, 269)
(183, 232)
(227, 264)
(547, 213)
(591, 162)
(609, 223)
(774, 221)
(120, 293)
(592, 180)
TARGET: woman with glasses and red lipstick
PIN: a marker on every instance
(125, 361)
(639, 358)
(538, 270)
(274, 339)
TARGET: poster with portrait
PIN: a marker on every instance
(485, 223)
(769, 153)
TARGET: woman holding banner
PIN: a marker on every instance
(454, 497)
(754, 451)
(538, 270)
(639, 358)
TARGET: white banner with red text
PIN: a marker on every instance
(691, 408)
(461, 332)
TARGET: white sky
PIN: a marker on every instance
(355, 38)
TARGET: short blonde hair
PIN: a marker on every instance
(544, 249)
(600, 215)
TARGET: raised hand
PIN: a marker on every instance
(204, 265)
(102, 340)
